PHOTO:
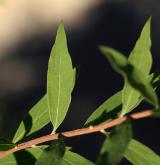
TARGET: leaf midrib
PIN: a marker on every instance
(59, 93)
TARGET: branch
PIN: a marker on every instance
(78, 132)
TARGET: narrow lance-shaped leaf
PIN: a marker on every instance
(139, 154)
(53, 154)
(141, 58)
(133, 75)
(112, 106)
(108, 109)
(71, 158)
(115, 145)
(36, 119)
(59, 79)
(24, 157)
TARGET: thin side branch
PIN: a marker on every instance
(78, 132)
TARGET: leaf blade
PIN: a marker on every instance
(35, 119)
(53, 154)
(23, 157)
(141, 58)
(133, 75)
(115, 145)
(60, 79)
(101, 114)
(71, 158)
(5, 144)
(139, 154)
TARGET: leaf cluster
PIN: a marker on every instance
(139, 85)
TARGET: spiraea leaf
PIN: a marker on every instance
(132, 74)
(139, 154)
(115, 145)
(141, 58)
(60, 79)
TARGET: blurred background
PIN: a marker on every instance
(27, 32)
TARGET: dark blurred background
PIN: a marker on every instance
(26, 37)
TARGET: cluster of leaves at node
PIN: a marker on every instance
(139, 85)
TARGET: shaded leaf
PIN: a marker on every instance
(5, 144)
(141, 58)
(132, 74)
(71, 158)
(36, 119)
(60, 79)
(37, 150)
(155, 78)
(112, 106)
(102, 113)
(74, 78)
(115, 145)
(24, 157)
(53, 154)
(139, 154)
(76, 72)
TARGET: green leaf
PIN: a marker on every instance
(71, 158)
(139, 154)
(5, 144)
(111, 107)
(5, 147)
(115, 145)
(155, 78)
(37, 150)
(24, 157)
(106, 111)
(36, 119)
(8, 160)
(141, 58)
(132, 74)
(53, 154)
(60, 79)
(74, 78)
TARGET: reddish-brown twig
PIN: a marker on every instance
(77, 132)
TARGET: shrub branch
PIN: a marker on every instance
(77, 132)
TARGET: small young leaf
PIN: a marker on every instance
(102, 113)
(71, 158)
(139, 154)
(155, 78)
(115, 145)
(36, 119)
(141, 58)
(131, 73)
(53, 154)
(60, 79)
